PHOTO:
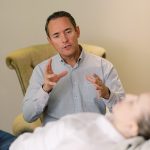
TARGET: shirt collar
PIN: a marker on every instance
(109, 129)
(82, 55)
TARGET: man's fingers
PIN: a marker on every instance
(49, 69)
(101, 89)
(94, 79)
(98, 87)
(97, 78)
(53, 78)
(91, 78)
(52, 83)
(50, 76)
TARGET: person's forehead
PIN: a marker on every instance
(60, 19)
(144, 99)
(131, 97)
(144, 103)
(59, 24)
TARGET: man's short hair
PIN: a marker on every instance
(59, 14)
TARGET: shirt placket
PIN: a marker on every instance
(76, 91)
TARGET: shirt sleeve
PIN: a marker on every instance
(113, 82)
(36, 98)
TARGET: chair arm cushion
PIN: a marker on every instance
(20, 125)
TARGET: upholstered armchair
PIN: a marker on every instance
(23, 62)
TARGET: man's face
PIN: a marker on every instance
(63, 36)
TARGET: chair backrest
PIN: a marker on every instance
(24, 60)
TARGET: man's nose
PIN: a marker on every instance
(64, 38)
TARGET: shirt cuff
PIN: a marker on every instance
(110, 102)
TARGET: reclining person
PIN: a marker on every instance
(92, 131)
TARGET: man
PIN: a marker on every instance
(72, 81)
(92, 131)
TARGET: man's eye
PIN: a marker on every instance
(68, 31)
(55, 36)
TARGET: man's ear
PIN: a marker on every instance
(78, 31)
(49, 40)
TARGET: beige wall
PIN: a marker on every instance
(120, 26)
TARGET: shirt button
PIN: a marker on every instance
(75, 97)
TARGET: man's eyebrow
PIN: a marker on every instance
(57, 33)
(54, 34)
(68, 29)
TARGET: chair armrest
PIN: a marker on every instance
(24, 60)
(20, 125)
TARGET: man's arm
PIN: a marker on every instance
(36, 98)
(42, 81)
(113, 83)
(109, 89)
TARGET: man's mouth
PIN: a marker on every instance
(66, 46)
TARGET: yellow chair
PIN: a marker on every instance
(23, 62)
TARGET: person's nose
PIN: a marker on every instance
(64, 38)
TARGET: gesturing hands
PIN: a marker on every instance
(50, 78)
(102, 90)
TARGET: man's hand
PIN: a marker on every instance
(50, 78)
(102, 90)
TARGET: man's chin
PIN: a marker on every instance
(67, 53)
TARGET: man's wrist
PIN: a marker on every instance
(107, 95)
(46, 90)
